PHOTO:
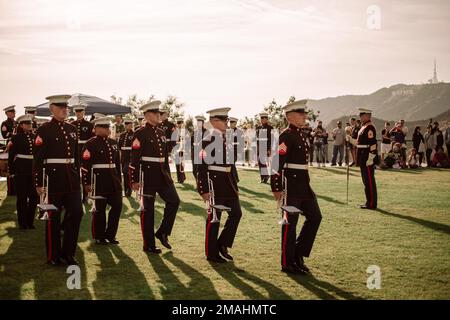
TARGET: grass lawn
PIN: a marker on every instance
(408, 238)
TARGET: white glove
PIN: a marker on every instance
(369, 161)
(351, 140)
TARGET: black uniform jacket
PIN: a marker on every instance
(150, 141)
(57, 140)
(102, 151)
(216, 154)
(294, 149)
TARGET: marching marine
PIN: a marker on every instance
(290, 184)
(8, 128)
(150, 174)
(84, 132)
(264, 141)
(20, 163)
(56, 158)
(102, 180)
(125, 141)
(218, 187)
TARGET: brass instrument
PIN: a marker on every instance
(211, 205)
(282, 203)
(92, 195)
(44, 207)
(140, 195)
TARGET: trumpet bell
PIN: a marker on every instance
(43, 216)
(283, 222)
(214, 219)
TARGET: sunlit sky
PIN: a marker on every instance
(211, 53)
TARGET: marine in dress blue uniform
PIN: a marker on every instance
(292, 158)
(367, 157)
(150, 153)
(56, 151)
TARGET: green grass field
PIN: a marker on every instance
(408, 238)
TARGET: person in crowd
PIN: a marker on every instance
(430, 144)
(318, 142)
(385, 140)
(413, 159)
(438, 136)
(338, 135)
(440, 159)
(394, 158)
(418, 144)
(447, 138)
(399, 137)
(325, 136)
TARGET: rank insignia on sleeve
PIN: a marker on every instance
(86, 155)
(4, 128)
(370, 134)
(282, 149)
(202, 154)
(38, 141)
(136, 144)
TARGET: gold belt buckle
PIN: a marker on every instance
(110, 165)
(67, 160)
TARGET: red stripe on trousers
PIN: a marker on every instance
(284, 244)
(208, 226)
(371, 188)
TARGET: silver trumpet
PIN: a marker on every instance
(140, 195)
(44, 207)
(93, 194)
(282, 203)
(211, 205)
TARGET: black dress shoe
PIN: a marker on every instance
(217, 259)
(224, 252)
(292, 270)
(300, 264)
(54, 263)
(367, 207)
(153, 250)
(69, 260)
(113, 241)
(164, 240)
(101, 241)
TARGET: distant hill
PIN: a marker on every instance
(442, 118)
(401, 101)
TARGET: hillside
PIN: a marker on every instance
(442, 118)
(408, 102)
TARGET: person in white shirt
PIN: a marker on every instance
(338, 144)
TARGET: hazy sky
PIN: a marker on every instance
(211, 53)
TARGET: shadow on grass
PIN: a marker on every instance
(266, 195)
(170, 286)
(106, 286)
(428, 224)
(322, 289)
(247, 206)
(25, 273)
(200, 287)
(339, 171)
(236, 277)
(330, 199)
